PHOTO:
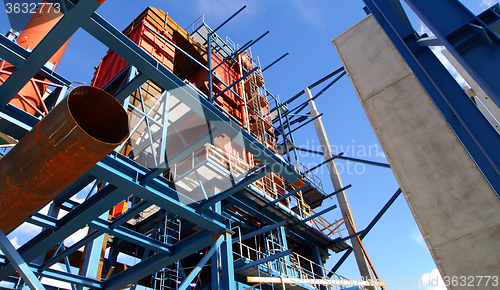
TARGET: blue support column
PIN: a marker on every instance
(319, 267)
(227, 264)
(467, 38)
(93, 253)
(215, 259)
(470, 126)
(19, 264)
(201, 263)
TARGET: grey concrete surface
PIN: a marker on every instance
(455, 208)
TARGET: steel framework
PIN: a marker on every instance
(239, 228)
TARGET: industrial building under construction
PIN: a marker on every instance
(188, 165)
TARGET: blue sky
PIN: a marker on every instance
(305, 30)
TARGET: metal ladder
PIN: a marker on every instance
(169, 233)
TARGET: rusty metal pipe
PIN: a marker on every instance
(81, 130)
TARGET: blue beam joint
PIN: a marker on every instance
(263, 260)
(284, 196)
(302, 125)
(330, 195)
(483, 33)
(256, 175)
(314, 216)
(470, 126)
(367, 230)
(54, 39)
(186, 282)
(186, 247)
(477, 57)
(227, 281)
(19, 264)
(260, 231)
(324, 162)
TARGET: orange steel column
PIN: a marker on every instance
(81, 130)
(30, 96)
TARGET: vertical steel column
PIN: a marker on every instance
(227, 271)
(319, 267)
(215, 261)
(363, 265)
(471, 41)
(475, 132)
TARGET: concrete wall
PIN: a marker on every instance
(455, 208)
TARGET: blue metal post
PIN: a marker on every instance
(319, 266)
(19, 264)
(470, 40)
(470, 126)
(227, 272)
(201, 264)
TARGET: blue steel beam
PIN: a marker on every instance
(123, 174)
(285, 196)
(302, 125)
(130, 87)
(76, 219)
(324, 162)
(256, 175)
(227, 281)
(379, 164)
(264, 260)
(237, 81)
(330, 195)
(12, 52)
(267, 216)
(315, 216)
(275, 62)
(310, 87)
(470, 126)
(305, 104)
(56, 37)
(16, 122)
(180, 250)
(130, 236)
(187, 281)
(18, 263)
(56, 275)
(17, 55)
(260, 231)
(128, 50)
(64, 254)
(367, 230)
(481, 59)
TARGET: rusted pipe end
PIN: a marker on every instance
(81, 130)
(99, 114)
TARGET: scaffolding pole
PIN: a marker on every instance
(363, 265)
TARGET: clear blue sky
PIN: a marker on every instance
(305, 30)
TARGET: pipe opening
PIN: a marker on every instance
(98, 114)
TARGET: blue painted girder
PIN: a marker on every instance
(67, 225)
(470, 126)
(56, 37)
(459, 31)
